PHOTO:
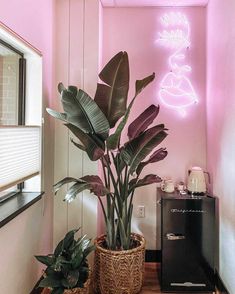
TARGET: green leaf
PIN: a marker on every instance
(77, 257)
(59, 248)
(57, 291)
(93, 145)
(137, 149)
(92, 183)
(49, 271)
(51, 281)
(72, 278)
(83, 112)
(68, 239)
(57, 266)
(56, 114)
(85, 243)
(47, 260)
(75, 189)
(112, 96)
(78, 243)
(88, 250)
(65, 283)
(66, 180)
(61, 87)
(113, 140)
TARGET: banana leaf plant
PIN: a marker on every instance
(90, 120)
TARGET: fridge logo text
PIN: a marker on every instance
(175, 210)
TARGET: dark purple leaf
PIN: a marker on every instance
(141, 84)
(142, 122)
(147, 180)
(158, 155)
(138, 148)
(96, 185)
(94, 146)
(113, 140)
(111, 97)
(132, 183)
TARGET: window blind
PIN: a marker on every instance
(19, 154)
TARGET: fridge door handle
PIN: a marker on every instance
(174, 237)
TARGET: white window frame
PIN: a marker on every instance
(33, 94)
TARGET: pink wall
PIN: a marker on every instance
(33, 21)
(221, 127)
(135, 30)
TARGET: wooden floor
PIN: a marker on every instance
(151, 283)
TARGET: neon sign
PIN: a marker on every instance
(176, 89)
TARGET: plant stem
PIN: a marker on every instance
(103, 209)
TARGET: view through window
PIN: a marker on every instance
(9, 85)
(11, 95)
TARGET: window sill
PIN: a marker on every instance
(12, 207)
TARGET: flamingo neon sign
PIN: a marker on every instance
(176, 89)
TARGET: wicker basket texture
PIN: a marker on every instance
(119, 272)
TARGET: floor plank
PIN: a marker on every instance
(151, 281)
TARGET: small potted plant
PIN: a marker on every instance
(67, 268)
(119, 255)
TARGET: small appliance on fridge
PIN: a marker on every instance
(187, 241)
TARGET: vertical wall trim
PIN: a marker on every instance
(83, 86)
(68, 78)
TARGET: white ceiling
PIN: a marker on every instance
(139, 3)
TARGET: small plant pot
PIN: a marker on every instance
(85, 290)
(119, 272)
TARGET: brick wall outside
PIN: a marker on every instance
(9, 73)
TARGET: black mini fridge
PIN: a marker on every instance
(187, 241)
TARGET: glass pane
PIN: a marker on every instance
(9, 86)
(6, 194)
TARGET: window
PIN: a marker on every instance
(20, 117)
(12, 81)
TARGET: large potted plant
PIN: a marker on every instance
(67, 268)
(122, 164)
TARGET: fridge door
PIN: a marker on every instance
(187, 245)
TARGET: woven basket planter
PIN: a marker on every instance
(119, 272)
